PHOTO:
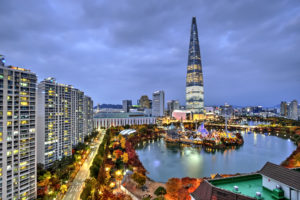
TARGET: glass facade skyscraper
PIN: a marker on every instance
(194, 78)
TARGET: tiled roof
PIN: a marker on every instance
(203, 192)
(281, 174)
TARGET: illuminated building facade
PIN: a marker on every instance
(194, 78)
(17, 133)
(64, 118)
(77, 116)
(53, 121)
(109, 119)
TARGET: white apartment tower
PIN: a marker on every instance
(77, 116)
(64, 119)
(88, 115)
(17, 133)
(53, 121)
(158, 104)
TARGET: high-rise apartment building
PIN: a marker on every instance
(194, 78)
(65, 117)
(87, 115)
(171, 106)
(283, 109)
(158, 104)
(127, 104)
(53, 121)
(77, 116)
(17, 133)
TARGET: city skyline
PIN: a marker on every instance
(255, 50)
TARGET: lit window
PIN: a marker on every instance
(24, 122)
(24, 103)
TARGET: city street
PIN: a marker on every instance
(76, 186)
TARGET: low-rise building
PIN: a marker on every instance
(182, 115)
(271, 182)
(121, 119)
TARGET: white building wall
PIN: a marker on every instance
(107, 122)
(271, 185)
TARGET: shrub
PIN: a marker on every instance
(160, 191)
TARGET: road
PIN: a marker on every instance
(76, 186)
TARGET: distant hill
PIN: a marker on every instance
(115, 106)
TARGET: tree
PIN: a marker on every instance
(160, 191)
(63, 188)
(139, 178)
(126, 126)
(123, 143)
(125, 158)
(173, 186)
(89, 189)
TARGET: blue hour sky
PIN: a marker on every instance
(116, 50)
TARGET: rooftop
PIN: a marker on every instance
(284, 175)
(247, 185)
(127, 131)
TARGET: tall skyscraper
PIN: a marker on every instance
(194, 78)
(158, 104)
(17, 133)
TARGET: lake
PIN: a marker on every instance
(164, 160)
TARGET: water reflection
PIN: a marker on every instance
(165, 160)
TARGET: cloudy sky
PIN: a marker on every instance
(116, 50)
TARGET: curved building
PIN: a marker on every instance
(194, 78)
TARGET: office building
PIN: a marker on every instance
(283, 109)
(194, 78)
(127, 104)
(171, 106)
(158, 104)
(293, 110)
(17, 133)
(144, 102)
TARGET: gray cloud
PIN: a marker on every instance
(122, 50)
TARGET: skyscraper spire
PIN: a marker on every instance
(194, 78)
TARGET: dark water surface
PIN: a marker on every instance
(163, 160)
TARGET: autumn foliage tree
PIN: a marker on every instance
(173, 186)
(139, 178)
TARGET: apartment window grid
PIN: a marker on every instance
(17, 124)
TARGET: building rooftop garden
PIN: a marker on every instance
(245, 185)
